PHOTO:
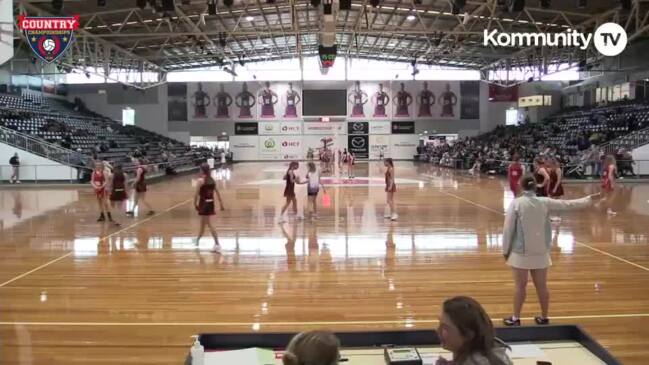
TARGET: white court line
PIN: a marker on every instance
(296, 324)
(577, 242)
(101, 239)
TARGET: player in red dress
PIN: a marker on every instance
(204, 203)
(514, 174)
(140, 189)
(555, 187)
(351, 159)
(541, 176)
(608, 182)
(118, 187)
(98, 182)
(390, 189)
(289, 190)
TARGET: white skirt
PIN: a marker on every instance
(529, 262)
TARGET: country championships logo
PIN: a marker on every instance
(48, 37)
(269, 143)
(610, 39)
(268, 127)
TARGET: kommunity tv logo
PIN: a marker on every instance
(610, 39)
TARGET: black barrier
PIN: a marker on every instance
(232, 341)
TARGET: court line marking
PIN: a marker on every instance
(314, 323)
(576, 241)
(134, 224)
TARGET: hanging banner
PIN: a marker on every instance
(325, 128)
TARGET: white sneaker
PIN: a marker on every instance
(282, 220)
(387, 214)
(216, 248)
(18, 182)
(555, 219)
(610, 211)
(394, 217)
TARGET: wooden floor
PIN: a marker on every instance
(75, 292)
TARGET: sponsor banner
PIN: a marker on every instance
(291, 147)
(280, 147)
(269, 128)
(244, 148)
(357, 128)
(403, 146)
(269, 147)
(246, 128)
(403, 127)
(380, 128)
(291, 128)
(280, 128)
(358, 145)
(324, 128)
(379, 143)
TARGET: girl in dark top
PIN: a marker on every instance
(204, 204)
(289, 191)
(118, 187)
(140, 189)
(541, 176)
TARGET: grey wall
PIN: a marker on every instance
(150, 107)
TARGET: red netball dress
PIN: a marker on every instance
(118, 192)
(554, 183)
(140, 184)
(387, 182)
(514, 174)
(98, 178)
(206, 197)
(607, 184)
(289, 190)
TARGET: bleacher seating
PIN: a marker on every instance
(566, 134)
(73, 127)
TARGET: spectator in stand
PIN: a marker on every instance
(14, 161)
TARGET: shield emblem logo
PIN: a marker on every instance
(49, 37)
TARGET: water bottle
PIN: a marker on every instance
(197, 352)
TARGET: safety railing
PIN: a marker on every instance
(630, 141)
(40, 148)
(81, 174)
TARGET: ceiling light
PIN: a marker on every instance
(250, 18)
(411, 17)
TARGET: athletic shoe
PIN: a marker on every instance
(299, 217)
(130, 212)
(18, 182)
(541, 321)
(510, 321)
(282, 220)
(555, 219)
(394, 217)
(216, 248)
(101, 219)
(610, 211)
(116, 224)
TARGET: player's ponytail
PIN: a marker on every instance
(290, 358)
(528, 183)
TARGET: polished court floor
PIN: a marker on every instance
(73, 291)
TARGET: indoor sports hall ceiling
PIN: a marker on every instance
(120, 33)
